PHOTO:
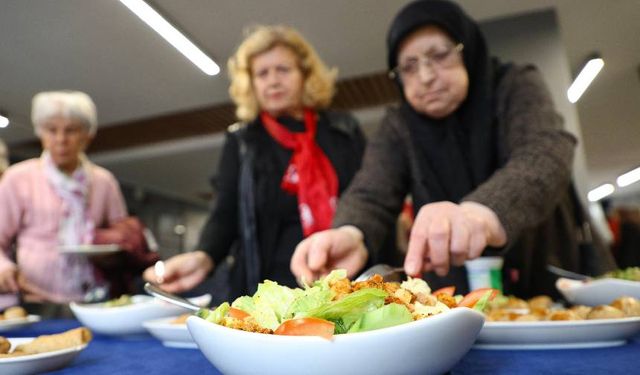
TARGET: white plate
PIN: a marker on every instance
(128, 319)
(427, 346)
(573, 334)
(171, 334)
(37, 363)
(9, 324)
(89, 249)
(597, 292)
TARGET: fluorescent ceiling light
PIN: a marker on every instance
(629, 177)
(172, 35)
(4, 122)
(584, 78)
(600, 192)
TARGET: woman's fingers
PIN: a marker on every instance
(185, 282)
(460, 240)
(418, 250)
(319, 248)
(355, 261)
(477, 244)
(298, 264)
(181, 272)
(477, 240)
(446, 234)
(439, 237)
(494, 232)
(324, 251)
(30, 293)
(149, 275)
(8, 281)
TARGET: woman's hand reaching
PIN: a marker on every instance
(12, 281)
(181, 272)
(9, 280)
(324, 251)
(445, 233)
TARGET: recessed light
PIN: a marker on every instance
(584, 79)
(172, 35)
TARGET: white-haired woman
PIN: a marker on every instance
(56, 199)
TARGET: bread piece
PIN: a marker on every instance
(15, 312)
(605, 312)
(628, 305)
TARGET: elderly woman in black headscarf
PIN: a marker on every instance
(480, 148)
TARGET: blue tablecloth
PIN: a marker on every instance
(145, 355)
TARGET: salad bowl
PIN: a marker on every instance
(127, 319)
(427, 346)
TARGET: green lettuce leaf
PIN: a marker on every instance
(269, 306)
(389, 315)
(216, 315)
(483, 302)
(331, 277)
(310, 299)
(353, 304)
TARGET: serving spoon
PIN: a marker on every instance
(386, 271)
(566, 273)
(155, 291)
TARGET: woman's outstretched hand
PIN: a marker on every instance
(445, 233)
(181, 272)
(9, 280)
(324, 251)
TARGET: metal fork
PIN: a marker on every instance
(170, 297)
(566, 273)
(387, 272)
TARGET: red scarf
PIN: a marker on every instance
(309, 175)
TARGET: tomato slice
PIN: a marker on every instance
(448, 290)
(237, 313)
(306, 327)
(472, 297)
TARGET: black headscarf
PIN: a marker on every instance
(458, 151)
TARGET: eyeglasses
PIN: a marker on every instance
(445, 58)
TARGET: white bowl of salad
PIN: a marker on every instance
(125, 315)
(336, 326)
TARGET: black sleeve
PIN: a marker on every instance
(221, 228)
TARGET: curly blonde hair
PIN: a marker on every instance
(319, 81)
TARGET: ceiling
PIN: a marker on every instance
(138, 80)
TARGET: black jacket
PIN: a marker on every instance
(254, 224)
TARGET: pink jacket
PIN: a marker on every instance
(30, 212)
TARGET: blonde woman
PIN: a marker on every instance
(57, 199)
(282, 167)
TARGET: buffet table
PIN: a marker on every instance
(146, 355)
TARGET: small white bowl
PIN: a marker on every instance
(428, 346)
(598, 291)
(173, 335)
(128, 319)
(15, 323)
